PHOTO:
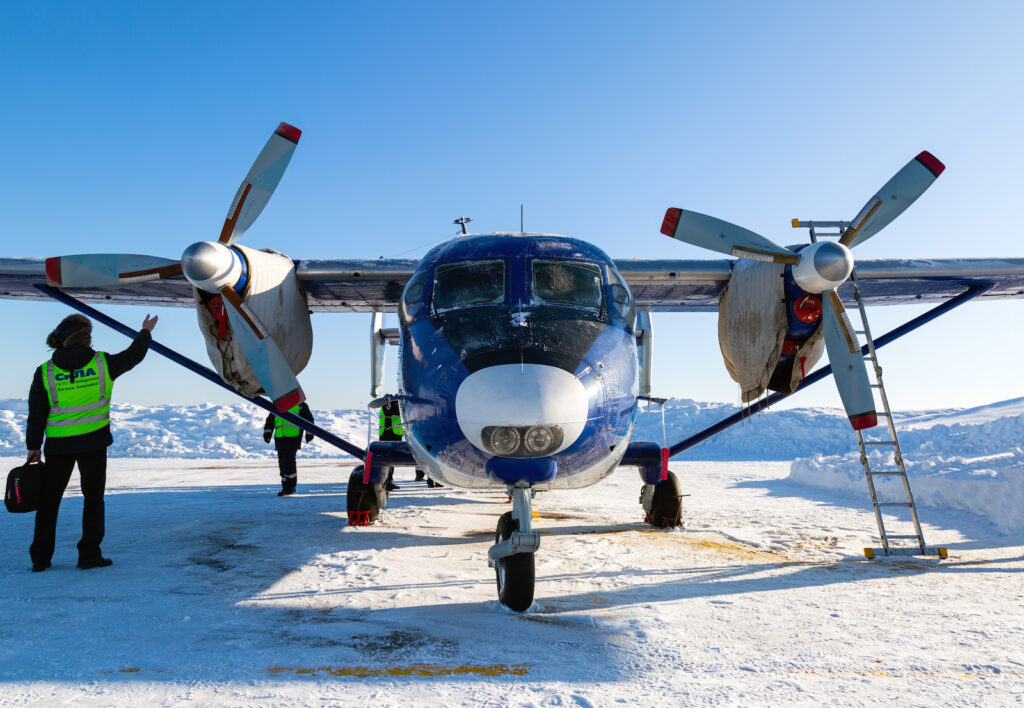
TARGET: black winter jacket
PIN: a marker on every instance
(70, 360)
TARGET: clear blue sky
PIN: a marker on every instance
(128, 127)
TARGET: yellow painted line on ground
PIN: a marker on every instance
(411, 670)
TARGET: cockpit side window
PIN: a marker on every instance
(567, 283)
(412, 298)
(621, 297)
(470, 283)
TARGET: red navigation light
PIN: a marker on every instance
(807, 309)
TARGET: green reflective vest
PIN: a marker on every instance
(79, 400)
(394, 422)
(284, 429)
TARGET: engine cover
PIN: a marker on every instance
(273, 294)
(754, 331)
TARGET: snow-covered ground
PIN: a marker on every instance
(223, 593)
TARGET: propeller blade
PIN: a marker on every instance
(708, 232)
(260, 183)
(893, 198)
(98, 270)
(262, 353)
(848, 366)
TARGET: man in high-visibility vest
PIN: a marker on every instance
(69, 404)
(287, 441)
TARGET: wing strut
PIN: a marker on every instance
(819, 374)
(206, 373)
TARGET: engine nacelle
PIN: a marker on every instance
(272, 292)
(769, 329)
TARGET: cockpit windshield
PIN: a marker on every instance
(567, 283)
(472, 283)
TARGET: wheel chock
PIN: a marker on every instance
(869, 553)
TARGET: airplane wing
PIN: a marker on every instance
(662, 285)
(695, 285)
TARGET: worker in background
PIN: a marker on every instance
(69, 404)
(287, 441)
(390, 428)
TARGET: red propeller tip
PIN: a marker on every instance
(289, 132)
(671, 222)
(290, 400)
(931, 162)
(864, 420)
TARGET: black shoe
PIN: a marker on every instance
(391, 486)
(420, 474)
(97, 562)
(40, 567)
(286, 492)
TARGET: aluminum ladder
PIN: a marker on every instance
(908, 544)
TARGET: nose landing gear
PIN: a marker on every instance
(512, 555)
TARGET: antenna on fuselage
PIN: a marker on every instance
(462, 221)
(521, 219)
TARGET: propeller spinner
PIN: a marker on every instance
(211, 266)
(821, 268)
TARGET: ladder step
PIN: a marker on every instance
(907, 504)
(885, 474)
(904, 537)
(877, 443)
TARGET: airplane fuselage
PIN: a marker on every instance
(517, 362)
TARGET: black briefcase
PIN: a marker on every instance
(24, 488)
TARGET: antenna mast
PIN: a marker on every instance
(462, 221)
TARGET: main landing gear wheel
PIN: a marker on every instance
(515, 574)
(663, 502)
(364, 500)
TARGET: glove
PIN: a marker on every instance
(309, 437)
(266, 437)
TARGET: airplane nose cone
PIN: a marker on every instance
(522, 410)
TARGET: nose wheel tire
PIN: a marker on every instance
(515, 574)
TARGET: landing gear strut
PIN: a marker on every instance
(512, 555)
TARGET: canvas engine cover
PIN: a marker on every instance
(274, 296)
(752, 328)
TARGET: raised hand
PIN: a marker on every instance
(150, 322)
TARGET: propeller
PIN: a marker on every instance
(211, 266)
(821, 268)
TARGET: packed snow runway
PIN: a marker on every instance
(223, 593)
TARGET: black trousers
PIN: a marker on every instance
(92, 469)
(286, 462)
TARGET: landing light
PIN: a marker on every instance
(521, 442)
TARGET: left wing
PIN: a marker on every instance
(663, 285)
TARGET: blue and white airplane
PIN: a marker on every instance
(523, 357)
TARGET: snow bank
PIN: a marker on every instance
(969, 460)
